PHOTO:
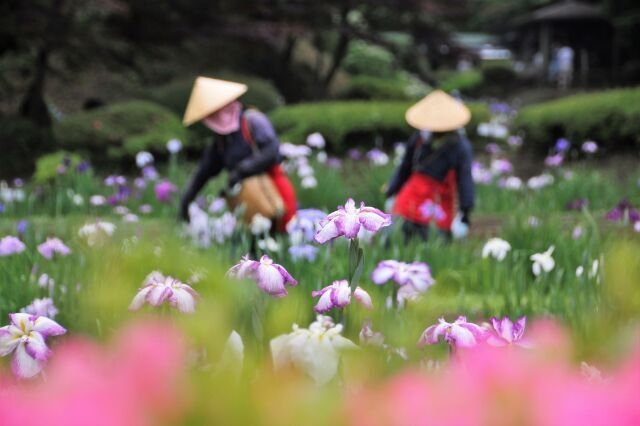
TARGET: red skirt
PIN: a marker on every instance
(288, 194)
(418, 190)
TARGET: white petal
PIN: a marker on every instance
(280, 351)
(23, 365)
(183, 300)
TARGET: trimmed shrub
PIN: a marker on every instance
(118, 131)
(467, 82)
(612, 118)
(403, 86)
(47, 165)
(368, 59)
(175, 95)
(342, 123)
(20, 143)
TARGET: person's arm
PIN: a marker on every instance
(403, 171)
(210, 165)
(267, 154)
(466, 193)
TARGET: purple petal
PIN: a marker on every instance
(349, 225)
(340, 293)
(363, 297)
(183, 300)
(23, 365)
(159, 294)
(270, 280)
(327, 232)
(383, 272)
(506, 329)
(48, 327)
(285, 275)
(518, 329)
(324, 303)
(431, 334)
(462, 336)
(36, 347)
(316, 293)
(373, 219)
(140, 298)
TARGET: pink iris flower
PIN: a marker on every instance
(52, 246)
(270, 277)
(506, 332)
(25, 337)
(158, 289)
(338, 295)
(347, 220)
(459, 333)
(416, 274)
(11, 245)
(164, 190)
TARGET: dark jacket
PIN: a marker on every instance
(454, 153)
(234, 153)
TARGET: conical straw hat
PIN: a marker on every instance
(209, 95)
(438, 112)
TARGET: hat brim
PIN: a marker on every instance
(438, 112)
(208, 96)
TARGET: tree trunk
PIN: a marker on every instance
(33, 106)
(338, 55)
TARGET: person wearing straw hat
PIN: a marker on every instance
(245, 143)
(437, 160)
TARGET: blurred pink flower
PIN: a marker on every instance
(506, 332)
(25, 337)
(52, 246)
(416, 274)
(164, 190)
(347, 220)
(136, 381)
(10, 245)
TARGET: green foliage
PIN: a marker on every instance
(20, 143)
(47, 165)
(467, 82)
(367, 59)
(612, 118)
(175, 95)
(119, 131)
(400, 87)
(360, 122)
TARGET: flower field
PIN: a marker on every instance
(115, 313)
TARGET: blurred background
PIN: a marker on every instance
(108, 78)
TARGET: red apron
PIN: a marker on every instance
(420, 188)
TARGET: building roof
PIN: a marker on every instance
(567, 10)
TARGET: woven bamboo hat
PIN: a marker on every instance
(209, 95)
(438, 112)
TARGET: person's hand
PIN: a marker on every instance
(234, 178)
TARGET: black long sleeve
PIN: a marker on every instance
(403, 171)
(466, 193)
(210, 166)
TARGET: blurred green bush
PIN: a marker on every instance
(367, 59)
(117, 132)
(467, 82)
(20, 143)
(347, 123)
(612, 118)
(400, 87)
(47, 165)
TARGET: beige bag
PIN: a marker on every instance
(258, 194)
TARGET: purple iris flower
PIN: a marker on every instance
(270, 277)
(562, 145)
(22, 226)
(354, 154)
(338, 295)
(158, 289)
(83, 166)
(416, 274)
(431, 210)
(25, 337)
(41, 308)
(499, 108)
(10, 245)
(578, 204)
(554, 160)
(304, 251)
(459, 333)
(334, 163)
(164, 190)
(52, 246)
(589, 147)
(493, 148)
(347, 221)
(506, 332)
(113, 180)
(624, 210)
(149, 173)
(1, 208)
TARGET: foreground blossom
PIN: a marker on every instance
(158, 289)
(415, 274)
(270, 277)
(53, 246)
(10, 245)
(338, 295)
(164, 190)
(25, 337)
(459, 333)
(496, 248)
(543, 262)
(347, 220)
(506, 332)
(315, 351)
